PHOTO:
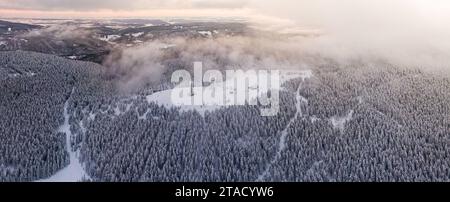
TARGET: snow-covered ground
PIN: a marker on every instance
(109, 37)
(339, 122)
(138, 34)
(72, 57)
(74, 172)
(210, 103)
(119, 112)
(205, 33)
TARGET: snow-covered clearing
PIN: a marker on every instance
(138, 34)
(339, 122)
(73, 57)
(119, 112)
(110, 37)
(210, 103)
(205, 33)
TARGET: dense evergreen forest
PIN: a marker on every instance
(359, 122)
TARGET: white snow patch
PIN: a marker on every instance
(205, 33)
(3, 43)
(119, 112)
(26, 74)
(314, 119)
(138, 34)
(166, 46)
(360, 99)
(14, 75)
(92, 116)
(339, 122)
(144, 116)
(109, 37)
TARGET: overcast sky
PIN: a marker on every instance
(89, 5)
(303, 11)
(310, 11)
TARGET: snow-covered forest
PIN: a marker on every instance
(356, 122)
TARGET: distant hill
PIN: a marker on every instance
(141, 21)
(6, 26)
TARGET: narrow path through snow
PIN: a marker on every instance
(282, 143)
(74, 172)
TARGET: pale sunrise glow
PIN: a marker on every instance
(326, 13)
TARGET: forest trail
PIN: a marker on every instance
(74, 172)
(282, 142)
